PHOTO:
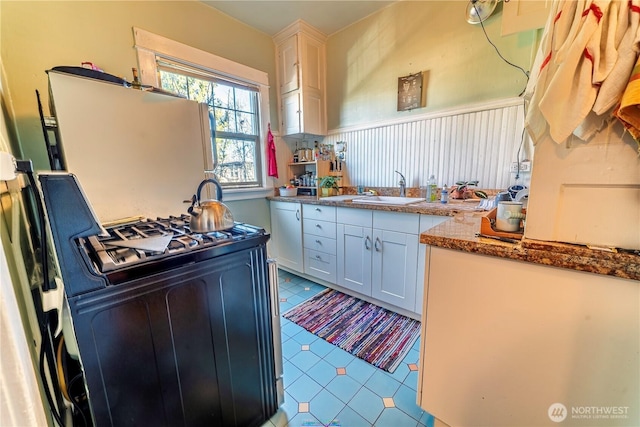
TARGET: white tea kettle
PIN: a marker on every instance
(209, 215)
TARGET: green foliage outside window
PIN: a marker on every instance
(235, 113)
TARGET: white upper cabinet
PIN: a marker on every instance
(301, 58)
(288, 64)
(523, 15)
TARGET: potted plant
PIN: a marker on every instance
(462, 191)
(329, 185)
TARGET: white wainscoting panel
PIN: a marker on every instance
(475, 142)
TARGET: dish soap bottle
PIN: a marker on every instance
(444, 194)
(432, 189)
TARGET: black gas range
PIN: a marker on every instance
(172, 327)
(143, 246)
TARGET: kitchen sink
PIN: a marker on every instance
(388, 200)
(341, 198)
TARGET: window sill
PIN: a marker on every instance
(230, 195)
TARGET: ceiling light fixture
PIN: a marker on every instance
(479, 10)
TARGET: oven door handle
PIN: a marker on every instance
(273, 286)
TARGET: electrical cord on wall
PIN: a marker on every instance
(526, 74)
(517, 177)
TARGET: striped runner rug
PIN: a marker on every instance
(374, 334)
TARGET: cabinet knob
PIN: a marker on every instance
(367, 243)
(318, 210)
(319, 242)
(318, 226)
(318, 257)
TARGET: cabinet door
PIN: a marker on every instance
(355, 245)
(395, 264)
(291, 113)
(288, 63)
(312, 116)
(426, 222)
(312, 57)
(286, 233)
(313, 78)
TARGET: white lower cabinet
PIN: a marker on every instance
(355, 245)
(500, 333)
(286, 234)
(319, 226)
(426, 222)
(378, 254)
(374, 253)
(395, 264)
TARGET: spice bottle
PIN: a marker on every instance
(444, 194)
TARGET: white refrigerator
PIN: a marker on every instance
(586, 193)
(136, 153)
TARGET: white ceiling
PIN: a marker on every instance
(272, 16)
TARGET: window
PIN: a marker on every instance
(233, 109)
(238, 100)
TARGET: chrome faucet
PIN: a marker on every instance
(403, 184)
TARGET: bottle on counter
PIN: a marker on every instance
(444, 194)
(432, 189)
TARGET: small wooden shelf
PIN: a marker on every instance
(320, 168)
(302, 163)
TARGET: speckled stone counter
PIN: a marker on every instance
(459, 233)
(447, 209)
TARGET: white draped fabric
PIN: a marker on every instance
(582, 67)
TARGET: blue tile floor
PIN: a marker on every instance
(327, 386)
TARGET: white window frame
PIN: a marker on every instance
(149, 46)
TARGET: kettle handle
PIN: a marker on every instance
(218, 189)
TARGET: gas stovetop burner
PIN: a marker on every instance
(155, 239)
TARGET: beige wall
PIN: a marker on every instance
(365, 60)
(39, 35)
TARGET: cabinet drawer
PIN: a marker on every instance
(320, 265)
(319, 228)
(361, 217)
(285, 206)
(323, 213)
(397, 221)
(320, 243)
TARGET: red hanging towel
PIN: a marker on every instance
(271, 155)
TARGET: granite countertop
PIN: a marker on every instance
(442, 209)
(460, 233)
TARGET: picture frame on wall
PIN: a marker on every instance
(410, 92)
